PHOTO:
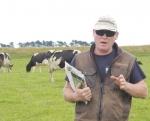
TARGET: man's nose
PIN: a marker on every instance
(104, 35)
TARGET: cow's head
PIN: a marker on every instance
(10, 67)
(28, 68)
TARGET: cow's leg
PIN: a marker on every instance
(51, 75)
(33, 68)
(10, 67)
(4, 69)
(40, 69)
(9, 70)
(51, 71)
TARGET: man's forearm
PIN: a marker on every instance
(68, 93)
(138, 90)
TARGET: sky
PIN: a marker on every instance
(67, 20)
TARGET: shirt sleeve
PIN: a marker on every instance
(72, 64)
(137, 74)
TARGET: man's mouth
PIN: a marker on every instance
(104, 42)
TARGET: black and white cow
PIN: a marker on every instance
(38, 59)
(5, 61)
(57, 60)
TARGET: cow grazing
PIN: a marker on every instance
(5, 61)
(57, 60)
(38, 59)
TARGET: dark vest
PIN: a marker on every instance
(108, 102)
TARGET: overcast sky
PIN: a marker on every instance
(67, 20)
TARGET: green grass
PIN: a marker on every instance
(140, 110)
(32, 97)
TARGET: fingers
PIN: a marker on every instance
(88, 96)
(87, 92)
(84, 94)
(116, 79)
(120, 81)
(113, 78)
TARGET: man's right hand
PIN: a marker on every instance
(82, 94)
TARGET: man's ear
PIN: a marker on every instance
(93, 32)
(117, 34)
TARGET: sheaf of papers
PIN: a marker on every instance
(69, 69)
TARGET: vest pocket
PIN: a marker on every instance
(118, 69)
(90, 76)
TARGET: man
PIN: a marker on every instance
(112, 75)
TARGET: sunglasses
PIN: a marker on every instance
(107, 32)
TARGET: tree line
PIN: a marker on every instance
(50, 43)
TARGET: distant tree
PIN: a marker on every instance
(65, 44)
(38, 43)
(27, 44)
(79, 43)
(11, 44)
(73, 43)
(19, 44)
(85, 43)
(44, 43)
(3, 45)
(91, 43)
(50, 43)
(32, 44)
(8, 46)
(60, 43)
(53, 44)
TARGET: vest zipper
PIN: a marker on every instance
(102, 91)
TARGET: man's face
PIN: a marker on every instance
(104, 41)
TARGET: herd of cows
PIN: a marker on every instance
(55, 59)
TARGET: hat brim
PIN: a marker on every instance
(105, 27)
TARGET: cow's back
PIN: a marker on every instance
(66, 55)
(39, 57)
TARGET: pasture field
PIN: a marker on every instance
(32, 97)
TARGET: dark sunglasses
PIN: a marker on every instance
(107, 32)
